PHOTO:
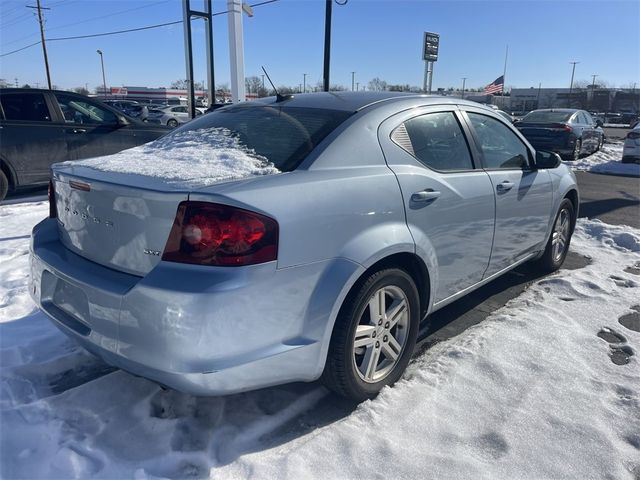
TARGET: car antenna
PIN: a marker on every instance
(279, 98)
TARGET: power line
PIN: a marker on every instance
(115, 33)
(20, 49)
(104, 34)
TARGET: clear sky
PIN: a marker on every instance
(374, 38)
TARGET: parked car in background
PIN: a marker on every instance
(568, 132)
(171, 116)
(631, 149)
(506, 116)
(41, 127)
(364, 213)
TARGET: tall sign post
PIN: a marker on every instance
(188, 13)
(430, 46)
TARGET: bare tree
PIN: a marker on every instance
(377, 84)
(81, 90)
(183, 85)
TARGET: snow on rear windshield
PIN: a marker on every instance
(198, 157)
(547, 117)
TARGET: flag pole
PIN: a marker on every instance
(504, 74)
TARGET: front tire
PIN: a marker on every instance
(558, 244)
(374, 335)
(173, 123)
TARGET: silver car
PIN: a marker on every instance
(631, 148)
(376, 210)
(171, 116)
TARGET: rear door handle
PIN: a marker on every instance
(504, 186)
(425, 196)
(78, 130)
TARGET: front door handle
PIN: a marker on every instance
(79, 130)
(504, 186)
(425, 196)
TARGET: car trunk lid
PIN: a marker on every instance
(121, 223)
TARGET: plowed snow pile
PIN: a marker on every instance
(607, 160)
(531, 392)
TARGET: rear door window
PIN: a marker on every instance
(27, 107)
(436, 139)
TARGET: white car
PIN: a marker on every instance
(631, 150)
(172, 116)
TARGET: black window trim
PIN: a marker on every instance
(477, 143)
(465, 134)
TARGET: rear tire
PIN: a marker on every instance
(172, 123)
(4, 185)
(558, 244)
(374, 335)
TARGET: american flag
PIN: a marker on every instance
(495, 86)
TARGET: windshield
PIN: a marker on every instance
(547, 116)
(283, 135)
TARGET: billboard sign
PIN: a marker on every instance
(430, 46)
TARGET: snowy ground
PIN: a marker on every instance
(607, 160)
(531, 392)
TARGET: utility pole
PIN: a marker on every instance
(353, 80)
(44, 45)
(573, 71)
(263, 82)
(538, 98)
(304, 80)
(464, 81)
(357, 86)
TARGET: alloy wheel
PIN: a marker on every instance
(381, 334)
(560, 236)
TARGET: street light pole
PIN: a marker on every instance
(464, 81)
(593, 89)
(304, 80)
(104, 81)
(353, 80)
(573, 71)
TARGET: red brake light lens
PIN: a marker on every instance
(53, 210)
(562, 126)
(213, 234)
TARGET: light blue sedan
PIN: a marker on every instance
(362, 214)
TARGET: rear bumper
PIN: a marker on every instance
(201, 330)
(562, 145)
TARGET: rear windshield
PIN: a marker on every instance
(283, 135)
(547, 117)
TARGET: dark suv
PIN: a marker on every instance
(42, 127)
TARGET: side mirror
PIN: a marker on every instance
(546, 159)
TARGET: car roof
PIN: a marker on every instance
(355, 101)
(565, 110)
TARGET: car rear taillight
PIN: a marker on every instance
(53, 210)
(214, 234)
(562, 126)
(633, 135)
